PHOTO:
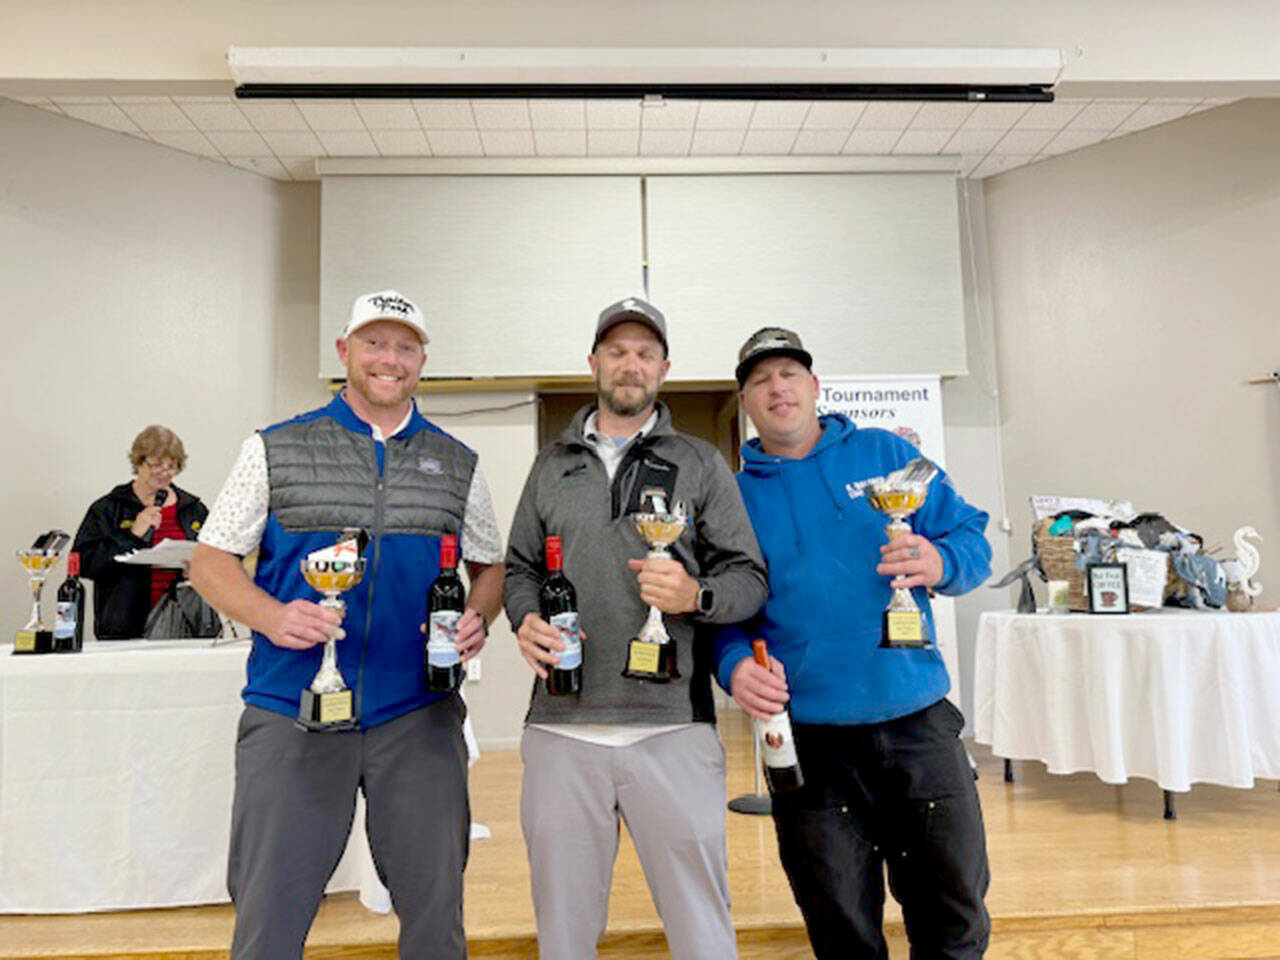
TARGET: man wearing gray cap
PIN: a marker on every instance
(367, 459)
(886, 781)
(624, 747)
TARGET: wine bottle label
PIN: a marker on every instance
(567, 624)
(64, 626)
(778, 748)
(442, 632)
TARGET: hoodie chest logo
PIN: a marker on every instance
(857, 490)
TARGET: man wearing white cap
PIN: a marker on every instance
(367, 459)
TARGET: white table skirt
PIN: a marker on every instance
(116, 777)
(1178, 697)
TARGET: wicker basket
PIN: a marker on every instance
(1057, 558)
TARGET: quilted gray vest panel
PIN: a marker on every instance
(323, 477)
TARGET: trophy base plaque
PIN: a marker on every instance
(904, 630)
(655, 662)
(326, 711)
(33, 641)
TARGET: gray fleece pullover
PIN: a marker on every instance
(568, 494)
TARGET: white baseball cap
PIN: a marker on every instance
(385, 305)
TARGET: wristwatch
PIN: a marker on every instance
(706, 598)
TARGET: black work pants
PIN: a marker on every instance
(898, 794)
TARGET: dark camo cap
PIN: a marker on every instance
(770, 342)
(632, 308)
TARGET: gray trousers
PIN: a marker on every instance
(294, 802)
(670, 790)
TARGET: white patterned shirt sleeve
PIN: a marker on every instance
(481, 541)
(239, 515)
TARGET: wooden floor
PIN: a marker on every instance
(1080, 870)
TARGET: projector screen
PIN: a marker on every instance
(511, 271)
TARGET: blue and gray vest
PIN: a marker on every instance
(327, 473)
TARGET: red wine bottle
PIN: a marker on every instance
(68, 628)
(445, 603)
(558, 605)
(777, 743)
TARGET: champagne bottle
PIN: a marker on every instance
(777, 743)
(558, 605)
(68, 628)
(445, 603)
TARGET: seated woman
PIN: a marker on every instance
(132, 516)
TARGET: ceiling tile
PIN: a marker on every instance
(347, 143)
(300, 168)
(834, 115)
(502, 115)
(780, 114)
(922, 141)
(669, 115)
(870, 141)
(293, 144)
(400, 143)
(768, 142)
(330, 114)
(999, 163)
(187, 141)
(941, 116)
(157, 116)
(665, 143)
(973, 141)
(238, 144)
(216, 116)
(970, 162)
(388, 114)
(1210, 103)
(152, 98)
(724, 114)
(558, 115)
(100, 114)
(185, 98)
(1103, 115)
(994, 116)
(82, 99)
(507, 143)
(613, 114)
(273, 115)
(1072, 140)
(1154, 112)
(267, 166)
(455, 143)
(1049, 116)
(560, 143)
(445, 114)
(613, 143)
(819, 142)
(888, 115)
(1023, 141)
(720, 143)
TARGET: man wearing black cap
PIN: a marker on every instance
(634, 748)
(886, 780)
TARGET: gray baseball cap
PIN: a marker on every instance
(632, 308)
(770, 342)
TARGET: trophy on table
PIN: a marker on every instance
(652, 654)
(41, 557)
(326, 703)
(898, 496)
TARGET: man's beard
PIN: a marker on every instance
(621, 409)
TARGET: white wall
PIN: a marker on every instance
(1135, 287)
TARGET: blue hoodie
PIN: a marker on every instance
(822, 540)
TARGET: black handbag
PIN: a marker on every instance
(180, 614)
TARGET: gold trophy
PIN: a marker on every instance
(40, 558)
(326, 703)
(652, 654)
(898, 496)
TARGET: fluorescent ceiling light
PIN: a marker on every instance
(634, 71)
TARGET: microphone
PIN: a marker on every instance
(161, 496)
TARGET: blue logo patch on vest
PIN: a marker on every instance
(429, 465)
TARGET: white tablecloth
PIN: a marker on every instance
(1178, 697)
(116, 774)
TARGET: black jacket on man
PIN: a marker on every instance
(122, 591)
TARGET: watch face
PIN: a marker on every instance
(705, 599)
